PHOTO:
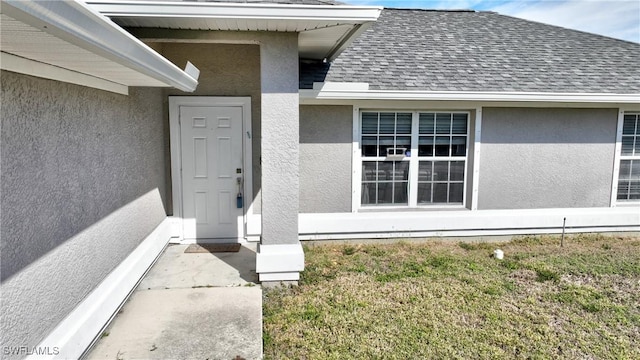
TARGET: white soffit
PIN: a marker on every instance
(324, 29)
(342, 91)
(68, 35)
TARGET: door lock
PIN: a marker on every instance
(239, 199)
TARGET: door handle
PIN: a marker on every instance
(239, 198)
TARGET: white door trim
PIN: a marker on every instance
(175, 102)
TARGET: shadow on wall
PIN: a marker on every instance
(311, 71)
(41, 294)
(98, 248)
(70, 157)
(82, 184)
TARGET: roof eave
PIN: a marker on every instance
(477, 96)
(344, 43)
(74, 22)
(304, 19)
(257, 11)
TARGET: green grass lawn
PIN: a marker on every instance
(447, 300)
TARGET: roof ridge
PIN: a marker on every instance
(431, 10)
(564, 28)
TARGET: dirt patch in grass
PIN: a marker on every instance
(449, 300)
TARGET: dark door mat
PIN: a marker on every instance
(212, 248)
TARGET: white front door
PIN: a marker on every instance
(212, 171)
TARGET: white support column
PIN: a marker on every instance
(280, 256)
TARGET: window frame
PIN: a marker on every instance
(414, 160)
(620, 157)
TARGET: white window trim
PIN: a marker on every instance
(618, 157)
(356, 163)
(477, 141)
(413, 162)
(356, 180)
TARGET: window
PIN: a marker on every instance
(385, 136)
(629, 177)
(413, 158)
(442, 150)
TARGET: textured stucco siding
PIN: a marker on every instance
(325, 158)
(83, 182)
(546, 158)
(225, 70)
(280, 140)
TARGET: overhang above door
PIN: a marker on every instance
(325, 30)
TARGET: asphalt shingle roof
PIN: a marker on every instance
(409, 49)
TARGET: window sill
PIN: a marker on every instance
(627, 203)
(373, 209)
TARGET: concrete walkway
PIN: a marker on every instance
(190, 306)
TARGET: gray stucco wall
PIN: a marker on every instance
(325, 158)
(82, 184)
(225, 70)
(546, 158)
(280, 142)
